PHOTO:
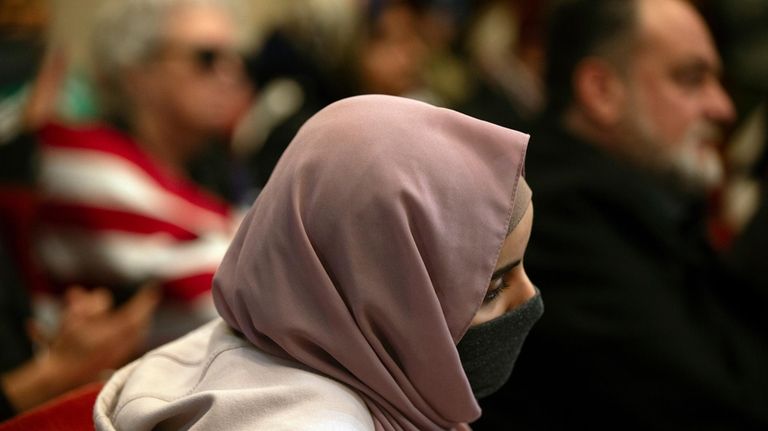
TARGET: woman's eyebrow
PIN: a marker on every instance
(504, 269)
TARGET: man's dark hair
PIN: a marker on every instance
(581, 28)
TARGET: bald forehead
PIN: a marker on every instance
(658, 14)
(675, 27)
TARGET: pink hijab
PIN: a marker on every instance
(371, 248)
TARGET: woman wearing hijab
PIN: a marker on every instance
(376, 284)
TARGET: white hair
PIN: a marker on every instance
(126, 33)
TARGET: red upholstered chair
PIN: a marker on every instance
(72, 411)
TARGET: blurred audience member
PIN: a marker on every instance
(646, 327)
(37, 365)
(742, 32)
(505, 49)
(119, 208)
(325, 51)
(91, 337)
(444, 74)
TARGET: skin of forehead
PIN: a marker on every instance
(200, 23)
(674, 26)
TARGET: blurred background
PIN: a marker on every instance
(484, 57)
(277, 63)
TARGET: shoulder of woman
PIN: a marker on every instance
(223, 381)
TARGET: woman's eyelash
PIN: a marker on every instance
(501, 284)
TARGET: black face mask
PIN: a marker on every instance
(488, 351)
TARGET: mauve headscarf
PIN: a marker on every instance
(371, 248)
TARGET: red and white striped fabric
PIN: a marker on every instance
(113, 216)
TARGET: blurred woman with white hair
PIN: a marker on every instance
(120, 209)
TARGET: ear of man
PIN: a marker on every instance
(600, 92)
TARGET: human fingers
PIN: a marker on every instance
(139, 309)
(81, 303)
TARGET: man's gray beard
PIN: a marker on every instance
(699, 168)
(685, 165)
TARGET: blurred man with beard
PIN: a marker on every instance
(645, 327)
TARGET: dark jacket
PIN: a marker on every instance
(645, 327)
